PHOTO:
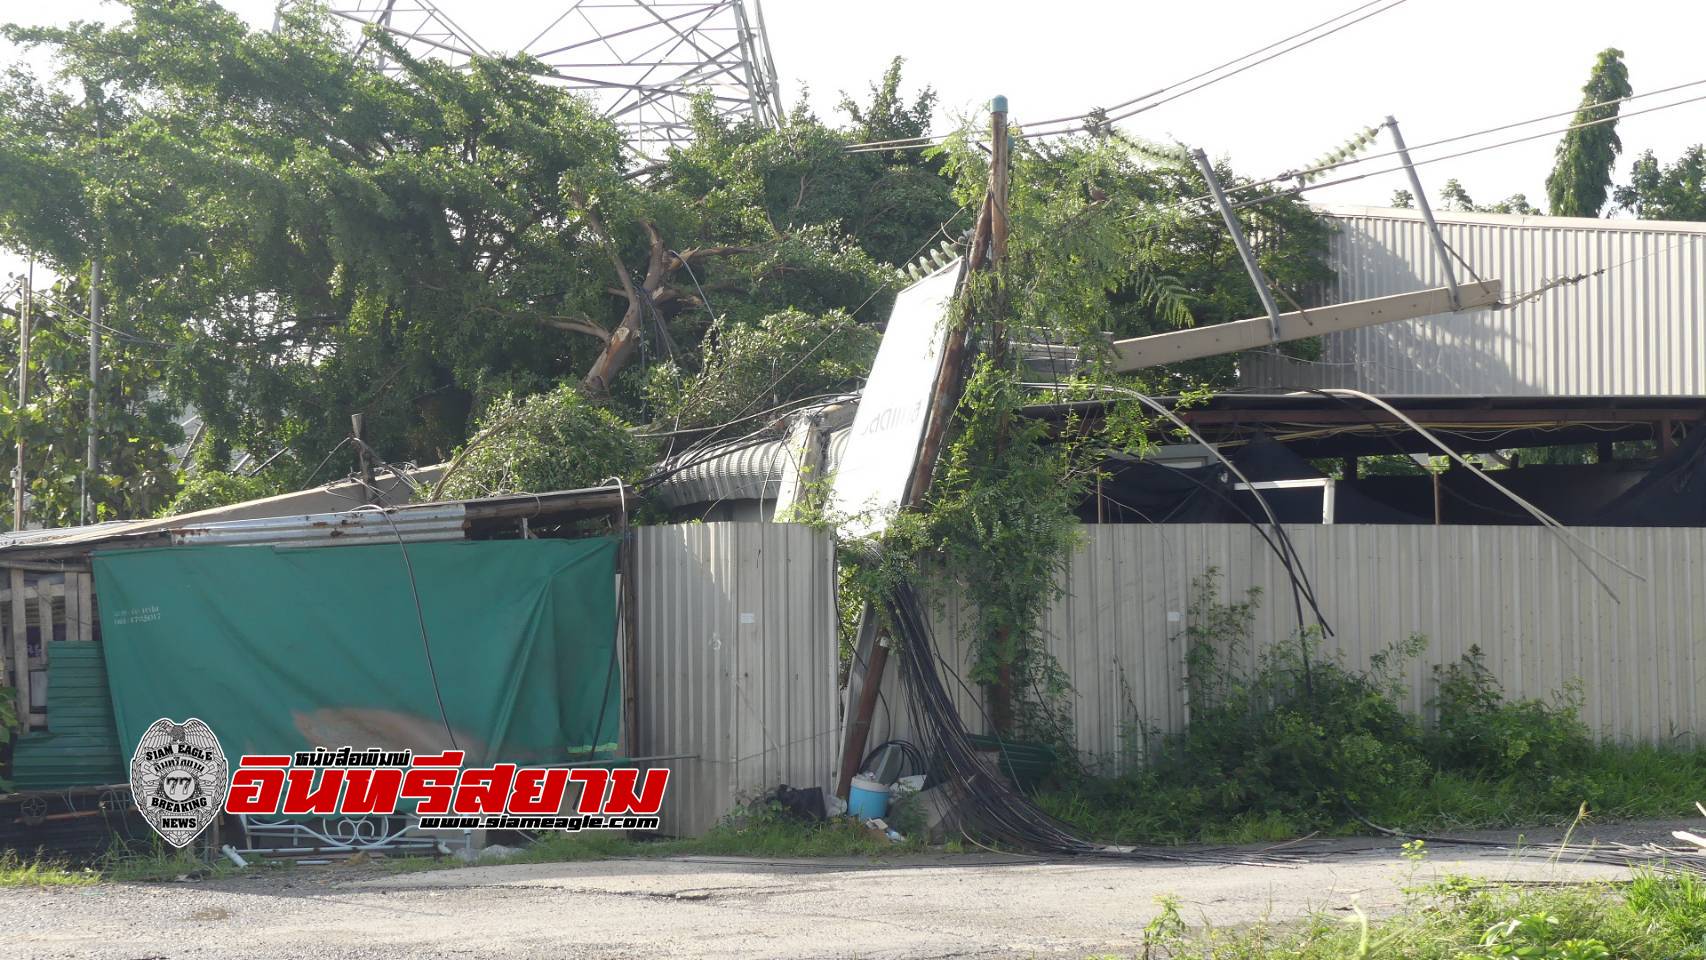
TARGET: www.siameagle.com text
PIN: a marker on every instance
(444, 794)
(569, 824)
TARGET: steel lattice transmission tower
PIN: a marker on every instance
(644, 62)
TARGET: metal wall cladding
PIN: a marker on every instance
(1544, 623)
(737, 662)
(1634, 324)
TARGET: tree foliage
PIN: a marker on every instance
(1107, 239)
(751, 368)
(558, 440)
(1581, 174)
(1674, 191)
(1453, 197)
(137, 474)
(207, 489)
(299, 236)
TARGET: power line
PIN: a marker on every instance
(1134, 111)
(1462, 153)
(906, 143)
(1213, 69)
(1322, 168)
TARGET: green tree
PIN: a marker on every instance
(135, 425)
(1675, 191)
(1581, 175)
(1453, 197)
(300, 236)
(1106, 241)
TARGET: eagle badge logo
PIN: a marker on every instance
(179, 777)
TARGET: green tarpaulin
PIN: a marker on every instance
(288, 648)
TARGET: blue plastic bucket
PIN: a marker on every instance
(868, 799)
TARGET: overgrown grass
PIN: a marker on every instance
(759, 831)
(159, 863)
(1652, 917)
(1616, 783)
(1301, 743)
(15, 871)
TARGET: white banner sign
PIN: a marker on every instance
(870, 481)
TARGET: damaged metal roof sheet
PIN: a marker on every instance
(447, 521)
(740, 470)
(758, 468)
(440, 520)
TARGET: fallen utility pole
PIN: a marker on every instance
(988, 245)
(1257, 278)
(1440, 248)
(1139, 353)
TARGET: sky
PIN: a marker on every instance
(1441, 67)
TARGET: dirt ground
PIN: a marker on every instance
(940, 906)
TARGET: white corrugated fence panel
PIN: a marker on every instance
(1634, 324)
(1542, 621)
(737, 662)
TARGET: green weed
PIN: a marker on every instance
(1656, 917)
(158, 863)
(1292, 741)
(15, 871)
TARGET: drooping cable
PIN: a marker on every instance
(1300, 583)
(420, 615)
(1563, 533)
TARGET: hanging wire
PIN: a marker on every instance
(1094, 122)
(420, 615)
(1083, 119)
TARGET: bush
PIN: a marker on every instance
(1298, 734)
(207, 489)
(1478, 731)
(550, 441)
(1297, 741)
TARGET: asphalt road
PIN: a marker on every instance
(931, 907)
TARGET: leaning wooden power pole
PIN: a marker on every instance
(988, 248)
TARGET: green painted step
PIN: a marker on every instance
(80, 747)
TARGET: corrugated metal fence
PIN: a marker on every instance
(737, 662)
(737, 634)
(1618, 308)
(1516, 592)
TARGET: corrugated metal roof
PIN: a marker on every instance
(332, 497)
(426, 522)
(741, 470)
(1619, 308)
